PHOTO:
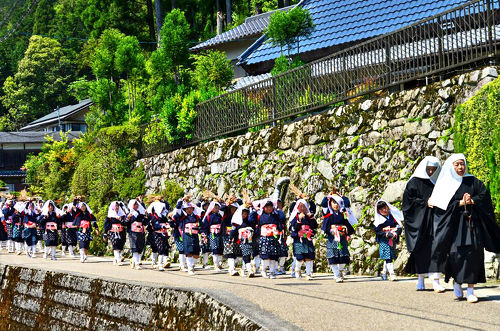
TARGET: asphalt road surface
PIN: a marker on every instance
(359, 303)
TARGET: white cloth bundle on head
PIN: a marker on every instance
(112, 213)
(196, 210)
(421, 170)
(238, 215)
(68, 207)
(296, 211)
(45, 208)
(20, 206)
(395, 212)
(140, 209)
(81, 203)
(159, 208)
(447, 183)
(27, 209)
(211, 207)
(259, 204)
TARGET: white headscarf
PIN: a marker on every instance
(27, 210)
(211, 207)
(396, 213)
(447, 183)
(238, 215)
(20, 206)
(112, 213)
(259, 204)
(140, 210)
(159, 207)
(68, 207)
(81, 203)
(421, 170)
(295, 211)
(45, 208)
(339, 201)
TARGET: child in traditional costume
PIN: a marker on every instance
(160, 225)
(136, 223)
(17, 228)
(50, 224)
(338, 230)
(388, 228)
(189, 221)
(8, 214)
(212, 229)
(85, 221)
(70, 231)
(302, 230)
(114, 229)
(232, 249)
(243, 233)
(29, 232)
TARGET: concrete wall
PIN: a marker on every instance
(40, 299)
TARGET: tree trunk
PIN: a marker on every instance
(228, 12)
(172, 3)
(220, 16)
(286, 3)
(281, 3)
(151, 20)
(159, 20)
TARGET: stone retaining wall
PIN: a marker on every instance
(368, 149)
(40, 299)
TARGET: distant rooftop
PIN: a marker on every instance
(33, 136)
(62, 113)
(252, 27)
(342, 22)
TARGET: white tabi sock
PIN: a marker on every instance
(136, 257)
(205, 258)
(384, 268)
(249, 268)
(63, 249)
(272, 266)
(33, 249)
(470, 291)
(298, 266)
(231, 264)
(71, 251)
(309, 267)
(53, 251)
(457, 290)
(82, 254)
(182, 260)
(265, 265)
(335, 270)
(154, 258)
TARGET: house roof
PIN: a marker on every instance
(63, 113)
(249, 80)
(33, 136)
(252, 27)
(339, 22)
(12, 173)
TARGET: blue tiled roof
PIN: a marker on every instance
(342, 21)
(253, 26)
(12, 173)
(62, 113)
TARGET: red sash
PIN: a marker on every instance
(84, 225)
(137, 227)
(245, 233)
(305, 232)
(191, 228)
(269, 230)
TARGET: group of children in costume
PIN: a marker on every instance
(448, 220)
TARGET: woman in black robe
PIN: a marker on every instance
(464, 213)
(418, 224)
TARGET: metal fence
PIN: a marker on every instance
(459, 37)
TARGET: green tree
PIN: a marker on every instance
(287, 27)
(212, 70)
(39, 85)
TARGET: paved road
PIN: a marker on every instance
(321, 304)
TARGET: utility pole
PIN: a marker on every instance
(59, 119)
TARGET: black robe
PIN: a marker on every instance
(418, 225)
(464, 241)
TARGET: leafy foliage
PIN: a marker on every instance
(212, 70)
(476, 133)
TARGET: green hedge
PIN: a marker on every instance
(477, 135)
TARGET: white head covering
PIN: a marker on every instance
(211, 207)
(238, 215)
(295, 211)
(68, 207)
(81, 203)
(396, 213)
(447, 183)
(159, 207)
(421, 170)
(259, 204)
(140, 210)
(337, 199)
(45, 208)
(19, 206)
(112, 213)
(28, 210)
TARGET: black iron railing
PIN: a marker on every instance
(459, 37)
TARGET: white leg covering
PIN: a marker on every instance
(421, 282)
(154, 258)
(298, 266)
(384, 268)
(248, 267)
(71, 251)
(53, 251)
(272, 266)
(470, 291)
(182, 260)
(292, 268)
(116, 254)
(309, 267)
(335, 270)
(390, 268)
(33, 250)
(282, 263)
(257, 261)
(231, 263)
(435, 275)
(82, 255)
(457, 290)
(265, 264)
(205, 258)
